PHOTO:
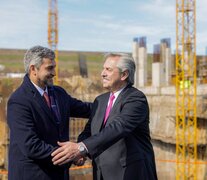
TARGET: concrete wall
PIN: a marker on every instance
(162, 103)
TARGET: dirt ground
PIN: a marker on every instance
(81, 177)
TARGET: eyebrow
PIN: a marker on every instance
(50, 66)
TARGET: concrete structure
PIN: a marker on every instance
(162, 64)
(139, 54)
(135, 54)
(202, 69)
(166, 60)
(157, 67)
(162, 103)
(157, 74)
(15, 75)
(2, 67)
(142, 71)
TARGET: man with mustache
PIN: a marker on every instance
(117, 135)
(38, 116)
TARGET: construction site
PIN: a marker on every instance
(175, 83)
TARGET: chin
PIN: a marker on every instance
(106, 87)
(49, 83)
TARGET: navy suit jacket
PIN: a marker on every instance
(34, 132)
(122, 149)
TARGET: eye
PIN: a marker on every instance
(109, 69)
(50, 67)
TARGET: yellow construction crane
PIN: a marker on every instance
(53, 31)
(186, 120)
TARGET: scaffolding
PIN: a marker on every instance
(186, 119)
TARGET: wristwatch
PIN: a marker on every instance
(82, 149)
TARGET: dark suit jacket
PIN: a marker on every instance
(34, 132)
(121, 150)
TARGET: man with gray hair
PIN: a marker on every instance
(38, 116)
(117, 135)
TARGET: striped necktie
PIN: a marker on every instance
(55, 109)
(47, 99)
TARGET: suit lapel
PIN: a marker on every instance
(37, 98)
(59, 104)
(120, 97)
(101, 112)
(62, 110)
(118, 100)
(43, 106)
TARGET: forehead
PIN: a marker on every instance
(111, 61)
(48, 62)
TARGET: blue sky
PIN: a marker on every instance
(95, 25)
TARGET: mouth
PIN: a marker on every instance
(50, 77)
(105, 80)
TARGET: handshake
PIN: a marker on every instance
(69, 152)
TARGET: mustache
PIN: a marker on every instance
(103, 78)
(51, 76)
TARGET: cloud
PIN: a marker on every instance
(22, 21)
(157, 8)
(110, 30)
(94, 24)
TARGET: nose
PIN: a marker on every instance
(103, 74)
(53, 72)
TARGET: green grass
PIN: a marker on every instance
(5, 57)
(67, 61)
(65, 58)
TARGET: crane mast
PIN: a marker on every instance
(53, 31)
(186, 118)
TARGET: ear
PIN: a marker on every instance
(32, 69)
(124, 75)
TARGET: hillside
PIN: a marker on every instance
(68, 61)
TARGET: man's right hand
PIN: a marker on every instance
(80, 161)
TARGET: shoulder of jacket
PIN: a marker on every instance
(134, 91)
(59, 89)
(20, 95)
(102, 96)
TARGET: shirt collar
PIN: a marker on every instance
(116, 94)
(39, 89)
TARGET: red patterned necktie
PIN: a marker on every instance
(109, 107)
(47, 99)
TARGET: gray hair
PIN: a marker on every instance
(35, 55)
(126, 62)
